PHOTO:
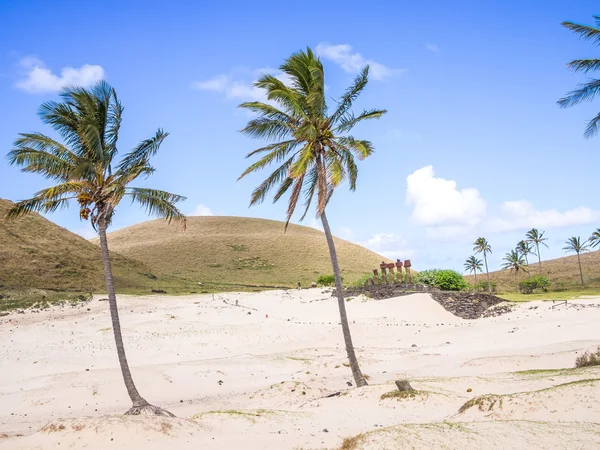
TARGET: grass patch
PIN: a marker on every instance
(484, 403)
(352, 443)
(402, 395)
(238, 247)
(569, 294)
(22, 299)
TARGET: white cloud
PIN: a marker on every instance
(389, 245)
(239, 83)
(202, 210)
(432, 47)
(437, 202)
(38, 78)
(521, 214)
(353, 62)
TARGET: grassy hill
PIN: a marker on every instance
(237, 250)
(38, 254)
(563, 272)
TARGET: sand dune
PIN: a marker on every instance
(257, 375)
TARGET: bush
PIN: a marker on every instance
(482, 286)
(326, 280)
(533, 283)
(588, 359)
(446, 280)
(362, 280)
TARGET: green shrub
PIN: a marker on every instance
(482, 286)
(588, 359)
(362, 280)
(533, 283)
(428, 277)
(560, 286)
(446, 280)
(326, 280)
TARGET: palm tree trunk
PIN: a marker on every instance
(517, 281)
(580, 272)
(140, 405)
(359, 379)
(475, 272)
(527, 263)
(537, 247)
(488, 273)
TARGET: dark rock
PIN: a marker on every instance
(403, 385)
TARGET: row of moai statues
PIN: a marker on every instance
(387, 273)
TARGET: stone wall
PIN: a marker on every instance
(381, 291)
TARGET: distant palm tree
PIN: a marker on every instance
(574, 244)
(589, 90)
(514, 261)
(315, 152)
(537, 238)
(481, 245)
(88, 120)
(473, 265)
(525, 248)
(594, 239)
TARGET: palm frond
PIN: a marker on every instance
(141, 154)
(351, 94)
(584, 65)
(296, 190)
(259, 194)
(268, 129)
(349, 121)
(585, 92)
(584, 31)
(277, 153)
(36, 204)
(269, 112)
(158, 203)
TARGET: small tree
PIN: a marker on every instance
(481, 245)
(574, 244)
(525, 248)
(473, 265)
(85, 170)
(514, 261)
(537, 238)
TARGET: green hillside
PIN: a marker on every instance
(238, 250)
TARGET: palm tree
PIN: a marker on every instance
(574, 244)
(481, 245)
(537, 238)
(594, 239)
(473, 265)
(514, 261)
(315, 152)
(589, 90)
(525, 248)
(84, 168)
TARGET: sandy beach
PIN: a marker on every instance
(260, 375)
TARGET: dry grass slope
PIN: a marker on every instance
(240, 250)
(36, 253)
(561, 270)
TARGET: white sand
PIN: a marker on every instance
(276, 371)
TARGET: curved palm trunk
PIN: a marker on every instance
(580, 272)
(517, 280)
(475, 272)
(537, 247)
(527, 263)
(487, 273)
(359, 379)
(140, 405)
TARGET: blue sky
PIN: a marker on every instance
(473, 143)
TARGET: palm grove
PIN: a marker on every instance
(310, 144)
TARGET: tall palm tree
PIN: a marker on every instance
(525, 248)
(473, 265)
(514, 261)
(594, 239)
(84, 168)
(481, 245)
(537, 238)
(574, 244)
(312, 149)
(589, 90)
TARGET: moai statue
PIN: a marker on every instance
(399, 270)
(375, 276)
(407, 268)
(390, 267)
(383, 267)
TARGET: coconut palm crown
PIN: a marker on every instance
(311, 146)
(84, 168)
(481, 245)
